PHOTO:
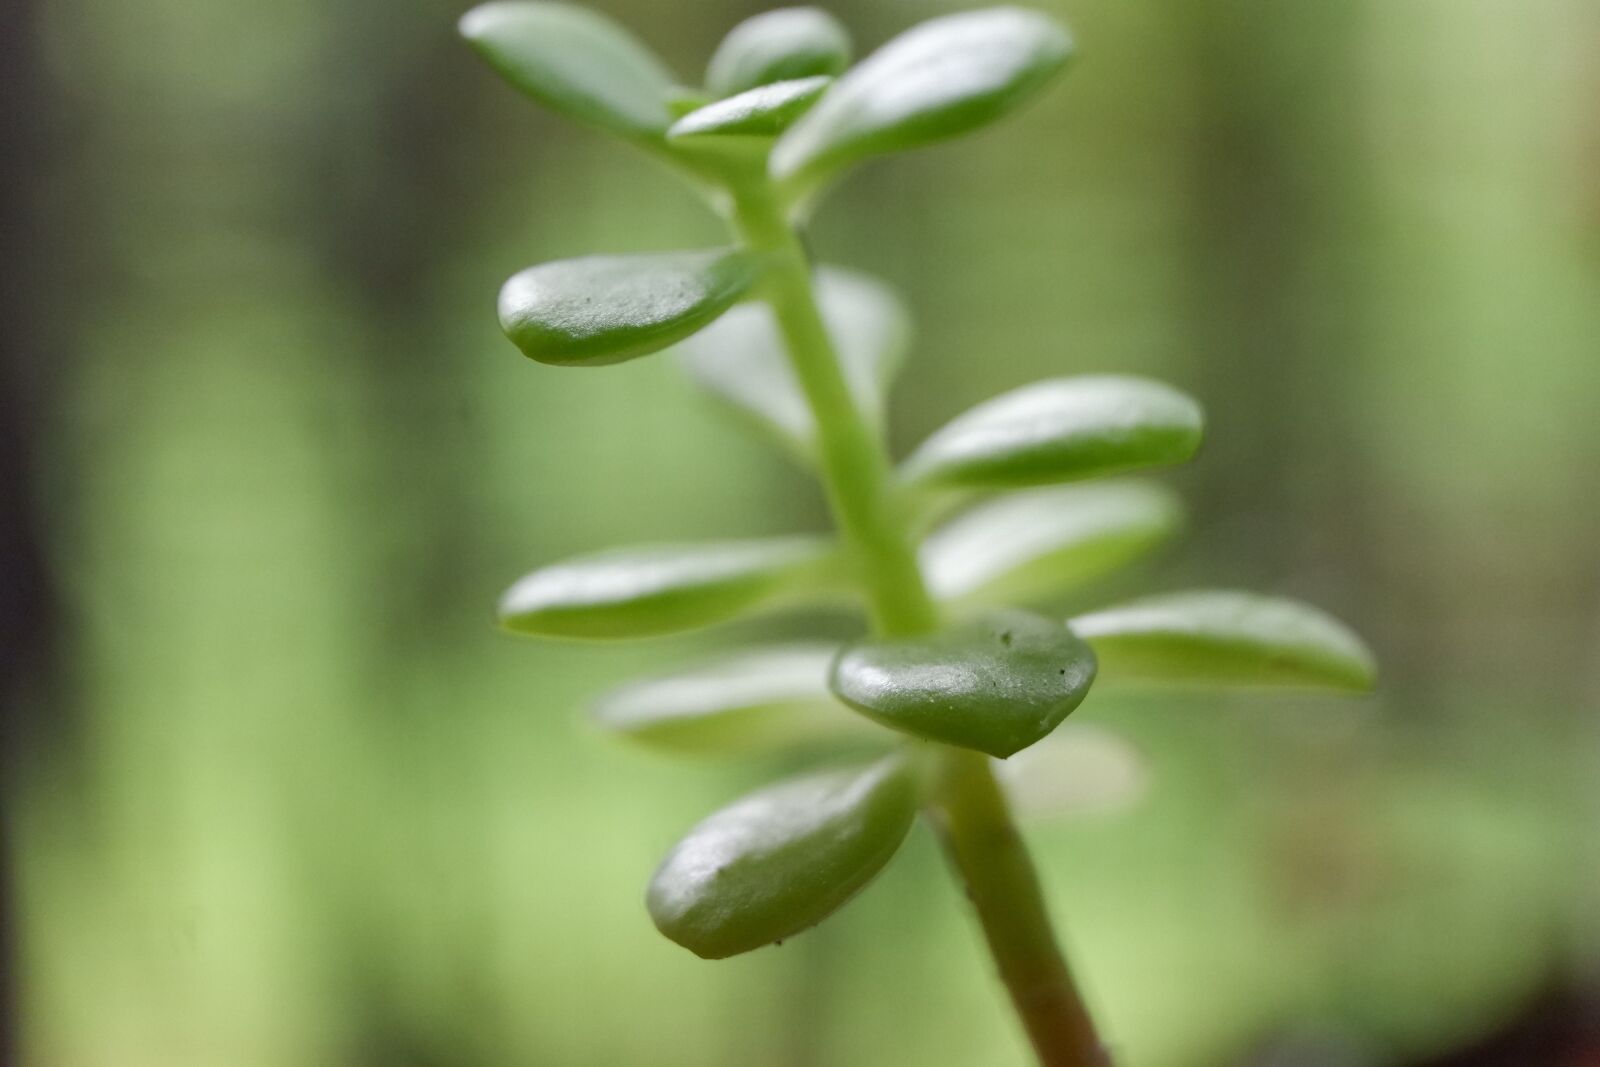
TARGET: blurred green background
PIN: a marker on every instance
(277, 792)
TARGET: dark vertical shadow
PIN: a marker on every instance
(27, 603)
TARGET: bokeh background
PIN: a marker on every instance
(277, 793)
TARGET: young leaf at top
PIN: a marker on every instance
(606, 309)
(1032, 545)
(576, 62)
(781, 45)
(742, 360)
(1226, 638)
(657, 589)
(997, 684)
(757, 700)
(1060, 430)
(1080, 770)
(782, 859)
(764, 111)
(937, 80)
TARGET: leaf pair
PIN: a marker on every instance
(770, 86)
(785, 857)
(940, 79)
(997, 683)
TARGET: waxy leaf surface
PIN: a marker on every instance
(1032, 545)
(765, 111)
(1059, 430)
(741, 358)
(755, 700)
(1226, 638)
(781, 45)
(606, 309)
(781, 859)
(942, 78)
(997, 683)
(656, 589)
(576, 62)
(1081, 770)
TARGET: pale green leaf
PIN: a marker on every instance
(656, 589)
(764, 111)
(1060, 430)
(756, 700)
(782, 859)
(781, 45)
(1080, 770)
(576, 62)
(741, 358)
(997, 683)
(1226, 638)
(937, 80)
(605, 309)
(1033, 545)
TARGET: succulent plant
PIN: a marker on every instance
(958, 670)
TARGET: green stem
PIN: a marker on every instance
(967, 807)
(984, 847)
(855, 468)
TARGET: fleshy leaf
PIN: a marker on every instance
(997, 684)
(782, 859)
(606, 309)
(756, 700)
(741, 358)
(1032, 545)
(1227, 638)
(781, 45)
(1080, 770)
(764, 111)
(942, 78)
(657, 589)
(576, 62)
(1060, 430)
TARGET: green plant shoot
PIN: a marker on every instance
(953, 673)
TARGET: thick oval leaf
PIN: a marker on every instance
(1227, 638)
(782, 859)
(765, 111)
(576, 62)
(996, 684)
(937, 80)
(1060, 430)
(741, 358)
(605, 309)
(657, 589)
(756, 700)
(781, 45)
(1080, 770)
(1033, 545)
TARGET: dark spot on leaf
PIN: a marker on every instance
(778, 943)
(1005, 638)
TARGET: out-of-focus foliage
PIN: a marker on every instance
(305, 805)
